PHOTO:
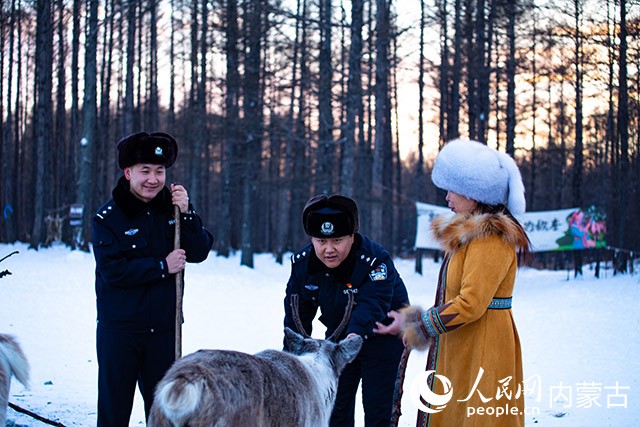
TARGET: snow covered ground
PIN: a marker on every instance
(580, 338)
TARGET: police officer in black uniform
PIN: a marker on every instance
(136, 266)
(339, 261)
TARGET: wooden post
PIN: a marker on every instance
(179, 287)
(418, 268)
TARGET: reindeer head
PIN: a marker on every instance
(339, 354)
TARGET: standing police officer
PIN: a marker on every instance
(339, 261)
(136, 267)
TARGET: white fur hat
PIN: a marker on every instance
(481, 173)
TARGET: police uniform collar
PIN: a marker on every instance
(132, 206)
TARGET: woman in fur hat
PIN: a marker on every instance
(474, 350)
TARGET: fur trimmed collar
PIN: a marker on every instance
(132, 206)
(457, 231)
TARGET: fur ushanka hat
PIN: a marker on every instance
(481, 173)
(157, 148)
(332, 216)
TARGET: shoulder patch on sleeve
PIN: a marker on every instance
(379, 273)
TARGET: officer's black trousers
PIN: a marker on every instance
(377, 366)
(125, 359)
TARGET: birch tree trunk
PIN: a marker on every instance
(154, 112)
(231, 133)
(171, 113)
(531, 201)
(89, 109)
(43, 113)
(8, 161)
(285, 229)
(198, 132)
(453, 115)
(74, 130)
(382, 151)
(623, 134)
(104, 146)
(61, 147)
(511, 79)
(301, 173)
(325, 161)
(579, 143)
(129, 86)
(253, 126)
(353, 101)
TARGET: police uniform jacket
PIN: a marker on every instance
(131, 239)
(368, 272)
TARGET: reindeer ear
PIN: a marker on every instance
(297, 344)
(291, 334)
(293, 341)
(348, 349)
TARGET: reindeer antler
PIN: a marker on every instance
(345, 319)
(296, 316)
(343, 323)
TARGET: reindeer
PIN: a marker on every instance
(272, 388)
(12, 362)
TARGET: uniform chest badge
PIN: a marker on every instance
(131, 232)
(350, 289)
(311, 287)
(379, 273)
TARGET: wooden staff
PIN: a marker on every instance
(179, 286)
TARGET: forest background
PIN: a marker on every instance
(274, 101)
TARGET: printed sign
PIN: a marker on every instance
(561, 230)
(75, 215)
